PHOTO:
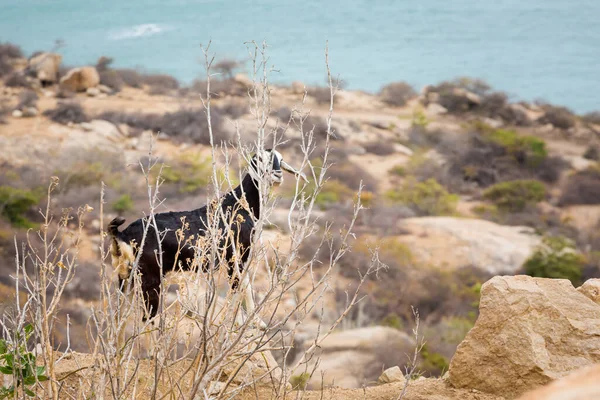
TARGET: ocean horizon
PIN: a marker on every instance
(535, 50)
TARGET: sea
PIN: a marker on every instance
(546, 50)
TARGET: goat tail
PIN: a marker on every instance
(113, 227)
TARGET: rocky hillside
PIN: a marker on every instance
(460, 184)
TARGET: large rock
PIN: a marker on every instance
(456, 242)
(45, 66)
(80, 79)
(591, 290)
(104, 128)
(582, 384)
(356, 357)
(530, 331)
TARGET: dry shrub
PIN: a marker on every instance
(592, 153)
(67, 111)
(351, 174)
(227, 67)
(560, 117)
(234, 109)
(17, 79)
(380, 148)
(495, 105)
(111, 79)
(582, 187)
(397, 94)
(437, 293)
(451, 98)
(4, 111)
(592, 117)
(185, 125)
(318, 126)
(489, 156)
(321, 94)
(27, 98)
(161, 83)
(8, 52)
(382, 217)
(219, 88)
(474, 85)
(130, 77)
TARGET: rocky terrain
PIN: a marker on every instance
(463, 188)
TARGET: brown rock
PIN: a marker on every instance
(46, 66)
(582, 384)
(530, 331)
(355, 357)
(80, 79)
(454, 242)
(591, 290)
(390, 375)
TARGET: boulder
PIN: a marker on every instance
(93, 92)
(579, 385)
(530, 331)
(391, 375)
(105, 89)
(103, 128)
(591, 290)
(80, 79)
(455, 242)
(399, 148)
(434, 109)
(45, 66)
(356, 357)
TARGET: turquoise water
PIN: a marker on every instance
(532, 49)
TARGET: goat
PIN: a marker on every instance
(241, 207)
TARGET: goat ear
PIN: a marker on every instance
(287, 167)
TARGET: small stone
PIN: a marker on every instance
(17, 113)
(104, 89)
(215, 387)
(390, 375)
(494, 123)
(434, 109)
(92, 92)
(163, 136)
(30, 112)
(398, 148)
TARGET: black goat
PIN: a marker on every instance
(180, 252)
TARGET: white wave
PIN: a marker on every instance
(138, 31)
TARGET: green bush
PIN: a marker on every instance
(191, 172)
(433, 362)
(393, 320)
(299, 381)
(333, 191)
(123, 204)
(528, 150)
(516, 195)
(425, 198)
(557, 258)
(16, 202)
(20, 364)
